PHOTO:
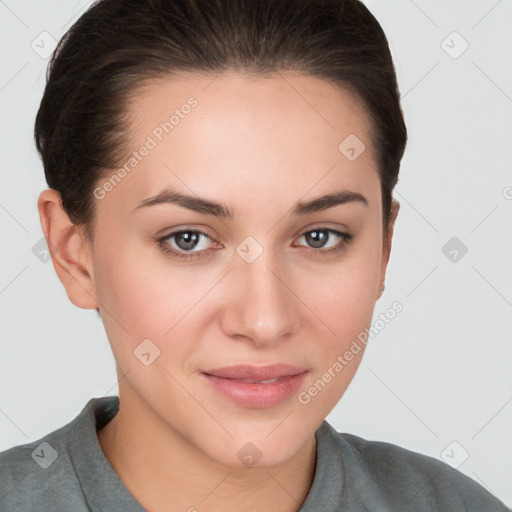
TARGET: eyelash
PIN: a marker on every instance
(346, 238)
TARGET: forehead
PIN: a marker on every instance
(241, 101)
(253, 133)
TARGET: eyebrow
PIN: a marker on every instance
(208, 207)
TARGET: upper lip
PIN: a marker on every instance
(256, 372)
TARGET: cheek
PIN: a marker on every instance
(144, 293)
(343, 294)
(344, 302)
(142, 300)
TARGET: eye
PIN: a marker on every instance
(319, 238)
(184, 241)
(192, 243)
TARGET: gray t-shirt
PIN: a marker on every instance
(66, 471)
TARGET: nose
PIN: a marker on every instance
(261, 306)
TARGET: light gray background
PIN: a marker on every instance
(440, 372)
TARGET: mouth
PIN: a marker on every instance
(256, 387)
(251, 381)
(256, 373)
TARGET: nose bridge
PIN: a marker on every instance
(263, 308)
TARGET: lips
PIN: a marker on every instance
(256, 374)
(256, 387)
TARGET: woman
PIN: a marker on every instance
(221, 177)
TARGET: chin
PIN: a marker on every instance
(254, 445)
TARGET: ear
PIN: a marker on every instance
(70, 250)
(395, 207)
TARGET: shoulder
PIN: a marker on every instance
(40, 475)
(29, 473)
(409, 480)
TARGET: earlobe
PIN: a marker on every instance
(69, 249)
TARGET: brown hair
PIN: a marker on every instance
(118, 44)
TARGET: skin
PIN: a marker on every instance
(258, 145)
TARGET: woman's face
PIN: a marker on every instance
(185, 287)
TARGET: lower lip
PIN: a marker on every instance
(257, 395)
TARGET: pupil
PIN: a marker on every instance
(190, 239)
(317, 238)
